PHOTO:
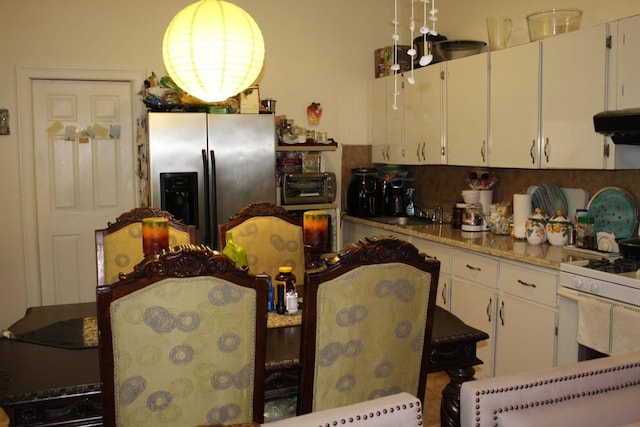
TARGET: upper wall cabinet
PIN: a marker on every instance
(387, 120)
(378, 119)
(624, 85)
(573, 90)
(514, 107)
(423, 117)
(466, 99)
(407, 117)
(543, 98)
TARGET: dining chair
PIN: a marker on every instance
(182, 342)
(367, 322)
(119, 245)
(271, 236)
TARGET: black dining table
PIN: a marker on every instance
(49, 371)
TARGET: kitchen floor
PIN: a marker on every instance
(431, 411)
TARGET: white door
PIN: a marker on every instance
(84, 177)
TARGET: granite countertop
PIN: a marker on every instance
(484, 242)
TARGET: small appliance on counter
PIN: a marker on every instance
(364, 194)
(472, 218)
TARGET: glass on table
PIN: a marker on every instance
(315, 226)
(155, 235)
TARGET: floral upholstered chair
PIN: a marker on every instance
(119, 246)
(271, 236)
(182, 342)
(366, 325)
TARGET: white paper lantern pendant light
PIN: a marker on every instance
(213, 50)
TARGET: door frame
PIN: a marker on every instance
(24, 79)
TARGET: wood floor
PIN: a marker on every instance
(431, 411)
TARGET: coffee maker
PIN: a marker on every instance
(394, 197)
(472, 218)
(364, 194)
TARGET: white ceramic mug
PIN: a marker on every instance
(499, 31)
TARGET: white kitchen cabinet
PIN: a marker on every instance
(423, 117)
(443, 254)
(467, 85)
(627, 64)
(624, 85)
(406, 120)
(573, 90)
(563, 77)
(527, 299)
(514, 303)
(474, 296)
(475, 305)
(514, 106)
(387, 120)
(379, 119)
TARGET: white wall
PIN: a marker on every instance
(317, 51)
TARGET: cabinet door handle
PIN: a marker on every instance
(442, 151)
(546, 149)
(444, 293)
(489, 310)
(424, 146)
(533, 158)
(523, 283)
(471, 267)
(388, 147)
(482, 150)
(418, 151)
(502, 313)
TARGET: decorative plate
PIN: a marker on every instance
(615, 211)
(550, 198)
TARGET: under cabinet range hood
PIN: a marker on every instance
(623, 126)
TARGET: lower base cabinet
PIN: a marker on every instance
(514, 302)
(525, 336)
(475, 305)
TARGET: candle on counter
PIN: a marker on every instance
(155, 235)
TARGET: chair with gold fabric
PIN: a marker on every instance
(367, 322)
(119, 246)
(271, 236)
(183, 342)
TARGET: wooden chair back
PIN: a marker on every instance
(119, 245)
(182, 341)
(367, 322)
(271, 236)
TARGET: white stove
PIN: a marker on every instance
(610, 278)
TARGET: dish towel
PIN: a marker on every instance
(625, 327)
(594, 323)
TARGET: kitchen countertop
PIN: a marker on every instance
(484, 242)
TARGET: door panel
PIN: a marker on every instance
(84, 178)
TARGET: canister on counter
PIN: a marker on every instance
(585, 230)
(456, 216)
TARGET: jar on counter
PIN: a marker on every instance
(585, 232)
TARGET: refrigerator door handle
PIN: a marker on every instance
(207, 224)
(213, 201)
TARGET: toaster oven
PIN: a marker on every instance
(304, 188)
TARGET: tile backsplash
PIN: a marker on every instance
(441, 185)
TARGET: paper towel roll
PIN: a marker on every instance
(521, 211)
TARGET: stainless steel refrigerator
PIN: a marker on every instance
(205, 167)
